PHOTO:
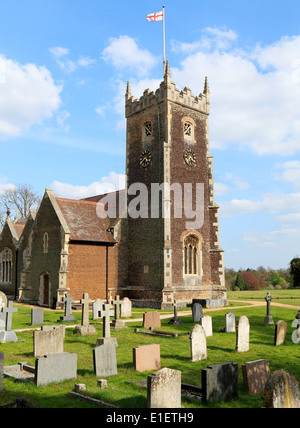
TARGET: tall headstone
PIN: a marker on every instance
(37, 316)
(68, 317)
(8, 335)
(280, 333)
(230, 322)
(126, 308)
(220, 382)
(255, 375)
(282, 391)
(242, 334)
(85, 329)
(1, 369)
(97, 307)
(117, 322)
(164, 389)
(197, 310)
(268, 319)
(105, 313)
(206, 323)
(198, 343)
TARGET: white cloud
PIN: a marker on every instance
(290, 173)
(28, 95)
(275, 239)
(107, 184)
(254, 93)
(124, 53)
(60, 54)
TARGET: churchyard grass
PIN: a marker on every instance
(287, 297)
(123, 391)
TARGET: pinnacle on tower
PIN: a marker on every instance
(128, 91)
(206, 87)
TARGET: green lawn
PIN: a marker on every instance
(175, 354)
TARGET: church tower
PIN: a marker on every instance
(173, 226)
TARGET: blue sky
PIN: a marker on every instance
(63, 72)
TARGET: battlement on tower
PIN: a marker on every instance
(167, 91)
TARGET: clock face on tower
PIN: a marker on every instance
(145, 159)
(190, 157)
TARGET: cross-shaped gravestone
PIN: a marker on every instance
(9, 311)
(105, 313)
(268, 318)
(85, 309)
(117, 304)
(68, 304)
(175, 319)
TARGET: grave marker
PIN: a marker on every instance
(8, 335)
(230, 322)
(85, 329)
(206, 323)
(268, 319)
(151, 319)
(146, 358)
(197, 310)
(67, 300)
(1, 370)
(55, 368)
(164, 389)
(282, 391)
(220, 382)
(198, 343)
(280, 333)
(255, 375)
(37, 316)
(242, 334)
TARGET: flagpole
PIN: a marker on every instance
(164, 37)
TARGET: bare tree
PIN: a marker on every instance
(19, 200)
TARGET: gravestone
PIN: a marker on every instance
(146, 358)
(206, 323)
(49, 340)
(105, 313)
(68, 317)
(1, 369)
(282, 391)
(175, 320)
(164, 389)
(117, 322)
(126, 308)
(3, 304)
(151, 319)
(242, 334)
(255, 375)
(105, 359)
(8, 335)
(230, 322)
(280, 333)
(220, 382)
(268, 319)
(55, 368)
(97, 307)
(37, 316)
(197, 310)
(85, 329)
(198, 343)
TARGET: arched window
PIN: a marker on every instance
(147, 131)
(191, 254)
(6, 266)
(45, 243)
(188, 131)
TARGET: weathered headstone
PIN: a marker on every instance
(97, 307)
(280, 333)
(49, 340)
(85, 329)
(282, 391)
(268, 319)
(164, 389)
(197, 310)
(242, 334)
(37, 316)
(8, 335)
(68, 317)
(198, 343)
(105, 360)
(126, 308)
(1, 369)
(230, 322)
(220, 382)
(146, 358)
(151, 319)
(255, 375)
(206, 323)
(55, 368)
(3, 304)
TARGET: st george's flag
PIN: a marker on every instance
(153, 17)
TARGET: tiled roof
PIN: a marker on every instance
(19, 227)
(83, 222)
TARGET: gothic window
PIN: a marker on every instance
(147, 131)
(6, 266)
(191, 255)
(45, 243)
(188, 131)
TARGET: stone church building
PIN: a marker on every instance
(155, 242)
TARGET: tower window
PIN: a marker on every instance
(188, 131)
(147, 131)
(191, 254)
(45, 243)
